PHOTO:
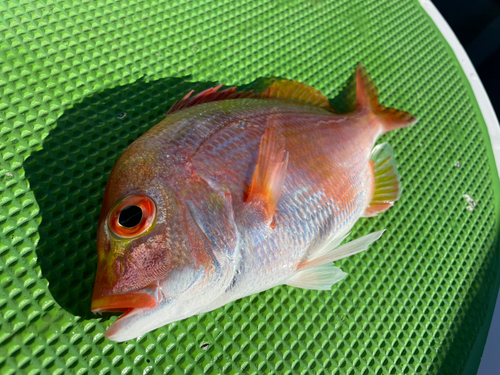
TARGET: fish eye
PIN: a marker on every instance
(132, 216)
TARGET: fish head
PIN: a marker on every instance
(155, 262)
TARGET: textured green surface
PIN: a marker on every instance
(412, 304)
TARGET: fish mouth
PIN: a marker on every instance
(145, 298)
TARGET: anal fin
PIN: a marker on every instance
(387, 189)
(270, 171)
(320, 273)
(319, 278)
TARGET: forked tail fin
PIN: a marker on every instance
(367, 96)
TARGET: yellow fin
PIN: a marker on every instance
(387, 188)
(295, 92)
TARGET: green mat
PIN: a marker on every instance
(80, 80)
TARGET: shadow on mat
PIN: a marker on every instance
(69, 175)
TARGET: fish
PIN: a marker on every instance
(234, 193)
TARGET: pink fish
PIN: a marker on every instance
(234, 193)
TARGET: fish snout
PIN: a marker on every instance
(148, 297)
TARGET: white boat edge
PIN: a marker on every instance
(489, 360)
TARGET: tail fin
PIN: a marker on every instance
(387, 189)
(367, 96)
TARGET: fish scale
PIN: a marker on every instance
(277, 252)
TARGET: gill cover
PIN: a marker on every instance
(202, 242)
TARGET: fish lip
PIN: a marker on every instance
(145, 298)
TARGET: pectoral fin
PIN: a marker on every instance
(270, 171)
(212, 212)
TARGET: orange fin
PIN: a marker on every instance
(367, 96)
(209, 95)
(295, 92)
(270, 171)
(387, 189)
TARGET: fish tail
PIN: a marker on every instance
(367, 96)
(387, 184)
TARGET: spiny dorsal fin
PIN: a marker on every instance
(296, 93)
(282, 90)
(210, 95)
(270, 171)
(387, 189)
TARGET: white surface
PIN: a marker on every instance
(491, 355)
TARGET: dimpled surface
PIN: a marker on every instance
(80, 81)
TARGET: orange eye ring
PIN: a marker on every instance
(133, 216)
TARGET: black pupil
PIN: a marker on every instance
(130, 216)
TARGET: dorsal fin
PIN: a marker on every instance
(282, 90)
(360, 93)
(367, 97)
(296, 93)
(210, 95)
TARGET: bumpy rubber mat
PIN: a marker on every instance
(80, 80)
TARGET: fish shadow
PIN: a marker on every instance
(69, 174)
